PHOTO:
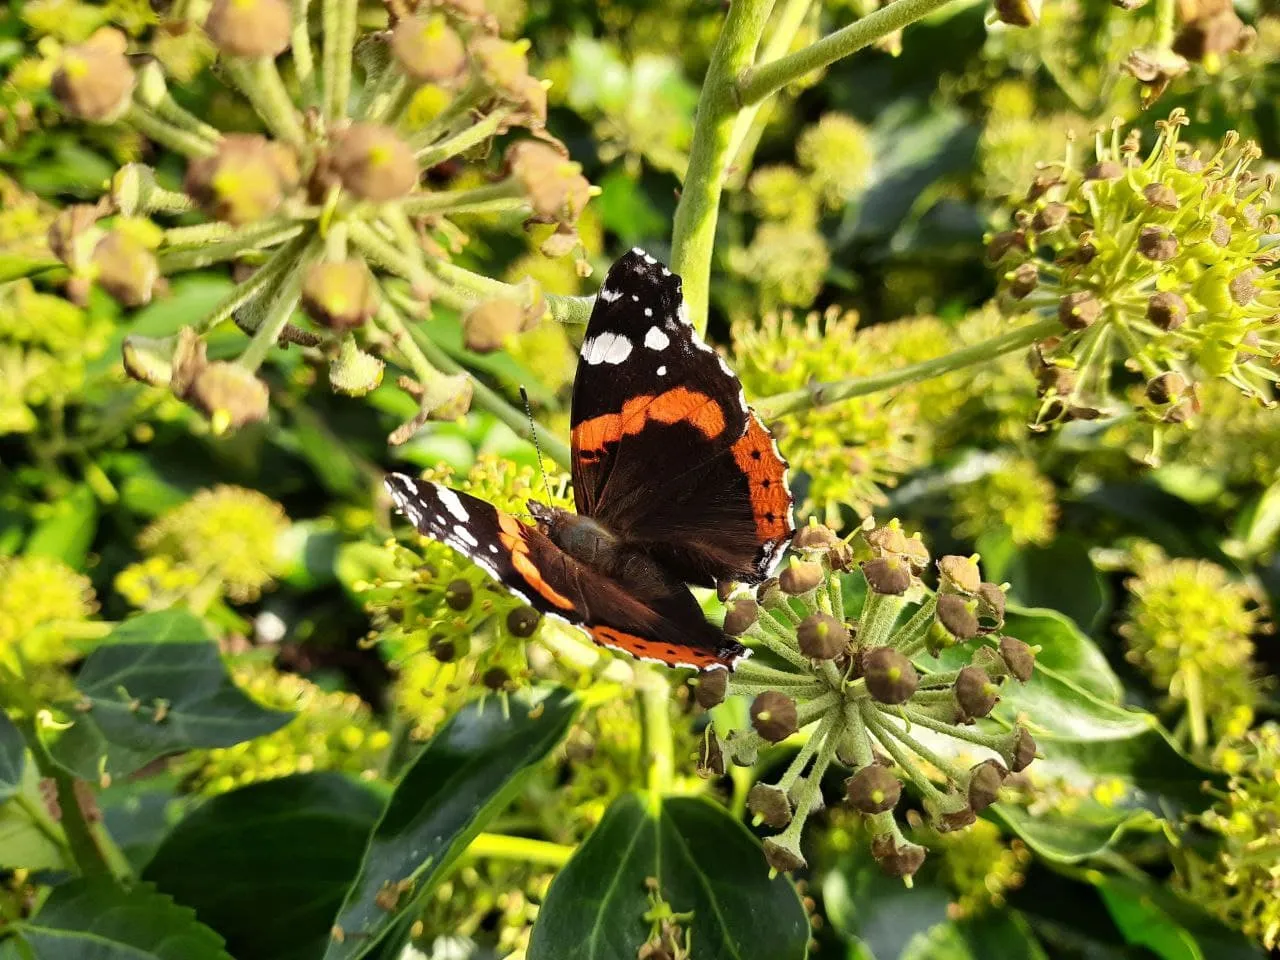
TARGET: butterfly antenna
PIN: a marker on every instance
(533, 435)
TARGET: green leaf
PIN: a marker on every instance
(625, 209)
(706, 863)
(879, 913)
(13, 752)
(29, 837)
(471, 769)
(1060, 576)
(157, 685)
(273, 892)
(1169, 926)
(1005, 935)
(14, 266)
(67, 532)
(1259, 526)
(97, 920)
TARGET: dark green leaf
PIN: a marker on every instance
(67, 532)
(706, 863)
(12, 757)
(29, 837)
(1004, 935)
(878, 912)
(469, 771)
(139, 813)
(626, 210)
(157, 685)
(1259, 526)
(1169, 926)
(1060, 576)
(97, 920)
(273, 892)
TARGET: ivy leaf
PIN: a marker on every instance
(29, 837)
(68, 531)
(706, 863)
(95, 918)
(1061, 576)
(1169, 926)
(298, 842)
(471, 769)
(13, 754)
(157, 685)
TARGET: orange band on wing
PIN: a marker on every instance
(679, 405)
(511, 534)
(766, 474)
(670, 654)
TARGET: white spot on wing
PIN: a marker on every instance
(452, 503)
(648, 311)
(662, 371)
(606, 348)
(466, 536)
(608, 296)
(655, 339)
(493, 548)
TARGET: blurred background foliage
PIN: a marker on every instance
(855, 238)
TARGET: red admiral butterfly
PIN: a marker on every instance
(677, 482)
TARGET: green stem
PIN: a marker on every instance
(756, 83)
(1193, 689)
(475, 288)
(431, 377)
(166, 134)
(958, 732)
(169, 110)
(695, 222)
(304, 66)
(1165, 23)
(821, 394)
(283, 302)
(280, 261)
(655, 713)
(259, 80)
(339, 41)
(478, 132)
(376, 248)
(501, 847)
(502, 197)
(200, 255)
(806, 752)
(780, 645)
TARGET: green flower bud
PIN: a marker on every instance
(887, 575)
(958, 574)
(958, 615)
(339, 295)
(985, 781)
(799, 577)
(976, 693)
(890, 676)
(873, 789)
(94, 81)
(373, 162)
(741, 615)
(127, 270)
(1079, 309)
(773, 715)
(1166, 310)
(1157, 243)
(488, 325)
(1018, 657)
(770, 804)
(897, 859)
(459, 594)
(822, 637)
(249, 28)
(710, 687)
(523, 622)
(354, 372)
(245, 181)
(428, 49)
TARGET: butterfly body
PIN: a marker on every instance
(677, 482)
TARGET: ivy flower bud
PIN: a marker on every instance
(991, 606)
(958, 615)
(1167, 387)
(523, 622)
(773, 715)
(710, 755)
(94, 81)
(783, 854)
(127, 270)
(249, 28)
(1019, 749)
(1161, 196)
(873, 789)
(742, 613)
(246, 179)
(770, 804)
(459, 594)
(976, 693)
(1105, 170)
(822, 637)
(1003, 243)
(496, 679)
(354, 372)
(897, 858)
(814, 537)
(1051, 215)
(710, 688)
(1023, 280)
(887, 576)
(1157, 243)
(958, 574)
(985, 781)
(229, 395)
(1166, 310)
(1019, 657)
(373, 162)
(1211, 35)
(339, 295)
(890, 676)
(489, 324)
(800, 577)
(428, 49)
(554, 185)
(1079, 310)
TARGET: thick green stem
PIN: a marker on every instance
(263, 277)
(431, 377)
(339, 41)
(699, 208)
(198, 255)
(502, 197)
(166, 134)
(1165, 24)
(304, 67)
(655, 711)
(756, 83)
(821, 394)
(283, 302)
(259, 80)
(498, 846)
(474, 288)
(478, 132)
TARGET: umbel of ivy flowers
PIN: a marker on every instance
(325, 209)
(1159, 266)
(868, 692)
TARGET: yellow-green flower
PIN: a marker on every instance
(780, 192)
(1015, 497)
(785, 262)
(43, 603)
(979, 866)
(837, 153)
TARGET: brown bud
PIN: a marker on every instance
(373, 162)
(1104, 170)
(888, 540)
(887, 575)
(1019, 750)
(958, 615)
(249, 28)
(1166, 387)
(554, 184)
(428, 49)
(710, 687)
(822, 637)
(976, 693)
(1161, 196)
(459, 594)
(245, 180)
(1050, 215)
(524, 620)
(799, 577)
(742, 613)
(1056, 380)
(710, 754)
(1166, 310)
(991, 605)
(1215, 34)
(840, 557)
(1158, 244)
(1018, 13)
(783, 858)
(890, 676)
(73, 233)
(127, 270)
(488, 324)
(951, 820)
(340, 296)
(897, 859)
(985, 781)
(1079, 310)
(1002, 243)
(773, 715)
(229, 395)
(770, 804)
(1018, 657)
(873, 789)
(1024, 280)
(1221, 233)
(1242, 287)
(442, 649)
(496, 678)
(814, 536)
(959, 573)
(94, 81)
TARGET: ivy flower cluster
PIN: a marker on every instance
(868, 691)
(325, 211)
(1013, 497)
(1161, 265)
(44, 607)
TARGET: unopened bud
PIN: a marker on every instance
(1024, 280)
(985, 781)
(554, 185)
(1018, 657)
(1166, 310)
(710, 687)
(771, 804)
(1019, 750)
(890, 676)
(1049, 216)
(897, 858)
(773, 715)
(959, 573)
(496, 678)
(799, 577)
(246, 179)
(873, 789)
(976, 693)
(373, 162)
(822, 637)
(94, 81)
(524, 620)
(814, 536)
(742, 613)
(489, 324)
(127, 270)
(783, 857)
(339, 295)
(887, 575)
(1157, 243)
(428, 49)
(249, 28)
(1079, 310)
(958, 615)
(1166, 387)
(229, 395)
(459, 594)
